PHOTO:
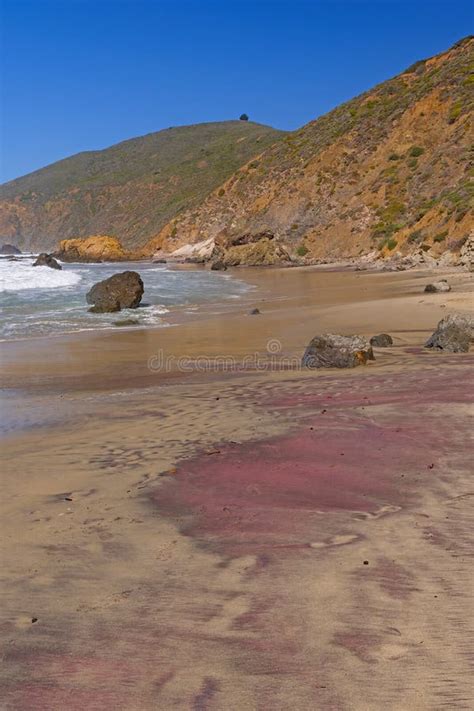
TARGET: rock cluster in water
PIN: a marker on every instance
(46, 260)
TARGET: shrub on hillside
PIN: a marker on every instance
(415, 236)
(302, 250)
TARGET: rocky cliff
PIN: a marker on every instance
(388, 172)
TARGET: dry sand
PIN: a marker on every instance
(242, 540)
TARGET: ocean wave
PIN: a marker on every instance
(17, 277)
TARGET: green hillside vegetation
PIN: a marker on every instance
(131, 189)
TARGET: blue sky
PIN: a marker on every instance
(84, 74)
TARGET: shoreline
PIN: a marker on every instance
(294, 305)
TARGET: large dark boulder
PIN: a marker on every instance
(454, 333)
(46, 260)
(9, 249)
(329, 350)
(381, 340)
(120, 291)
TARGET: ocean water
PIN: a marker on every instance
(39, 301)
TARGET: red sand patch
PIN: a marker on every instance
(272, 493)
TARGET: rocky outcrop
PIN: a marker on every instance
(437, 286)
(97, 248)
(201, 251)
(7, 249)
(120, 291)
(253, 249)
(466, 254)
(454, 333)
(264, 253)
(381, 340)
(329, 350)
(47, 260)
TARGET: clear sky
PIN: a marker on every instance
(84, 74)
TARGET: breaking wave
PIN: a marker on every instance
(17, 276)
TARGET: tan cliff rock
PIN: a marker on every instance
(96, 248)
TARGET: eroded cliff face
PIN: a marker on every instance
(388, 172)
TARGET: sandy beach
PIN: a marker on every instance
(185, 534)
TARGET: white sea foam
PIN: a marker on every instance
(39, 301)
(17, 276)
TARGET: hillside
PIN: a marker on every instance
(389, 171)
(129, 190)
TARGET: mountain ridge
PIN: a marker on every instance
(129, 189)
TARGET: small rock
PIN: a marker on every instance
(382, 340)
(254, 312)
(127, 322)
(9, 249)
(218, 266)
(329, 350)
(46, 260)
(454, 333)
(438, 286)
(120, 291)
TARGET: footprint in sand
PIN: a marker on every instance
(392, 650)
(24, 621)
(383, 511)
(341, 540)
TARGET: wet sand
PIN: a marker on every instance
(243, 540)
(294, 303)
